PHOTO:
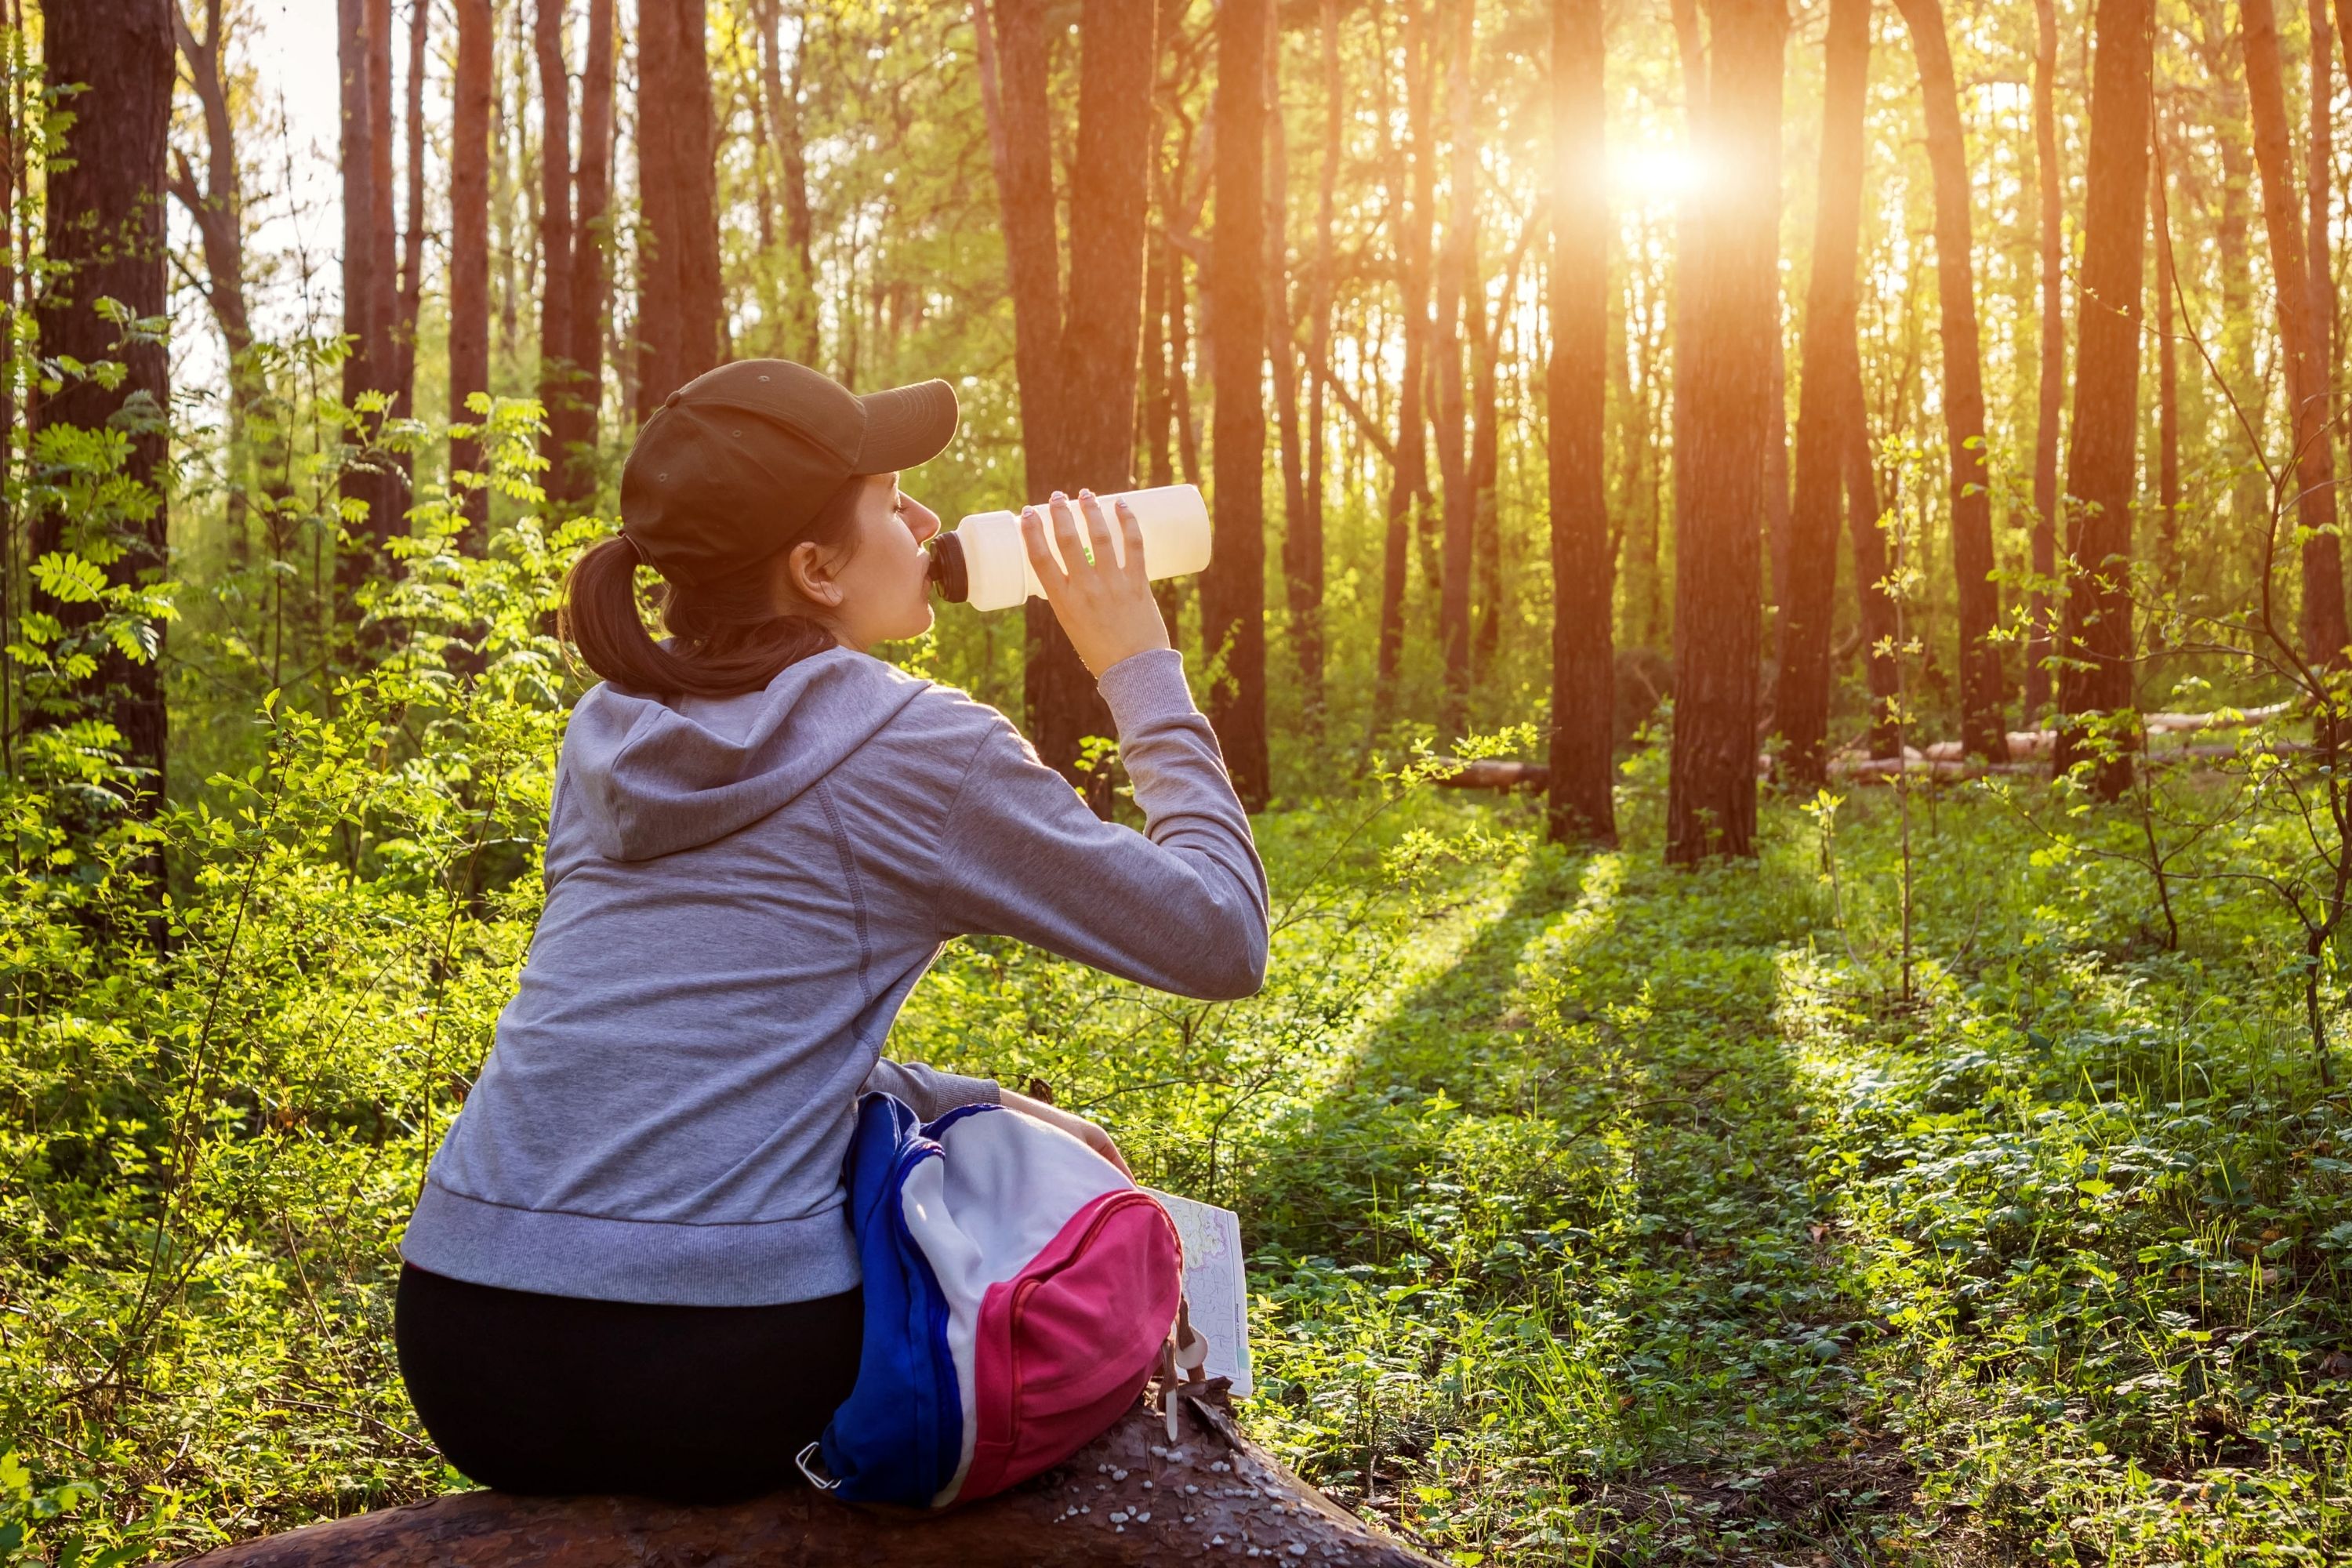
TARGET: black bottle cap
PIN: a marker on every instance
(948, 569)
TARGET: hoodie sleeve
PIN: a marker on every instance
(1180, 906)
(931, 1092)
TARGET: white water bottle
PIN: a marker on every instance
(982, 561)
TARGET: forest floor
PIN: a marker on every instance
(1643, 1218)
(1599, 1213)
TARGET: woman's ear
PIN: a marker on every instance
(808, 574)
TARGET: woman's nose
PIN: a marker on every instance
(923, 520)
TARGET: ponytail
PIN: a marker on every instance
(724, 641)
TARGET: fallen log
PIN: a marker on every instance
(1494, 772)
(1129, 1499)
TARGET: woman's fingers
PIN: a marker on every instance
(1050, 574)
(1065, 535)
(1131, 534)
(1098, 530)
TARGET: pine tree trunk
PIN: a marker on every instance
(217, 210)
(1824, 420)
(2239, 320)
(469, 240)
(1455, 262)
(558, 377)
(1874, 597)
(366, 310)
(2051, 389)
(1306, 612)
(2168, 378)
(105, 236)
(2096, 637)
(411, 235)
(782, 99)
(1302, 537)
(2312, 460)
(1728, 381)
(574, 478)
(1581, 806)
(1232, 590)
(1411, 474)
(1982, 730)
(680, 304)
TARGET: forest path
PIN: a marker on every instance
(1597, 1313)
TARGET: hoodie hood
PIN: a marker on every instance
(654, 777)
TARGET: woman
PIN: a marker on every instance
(630, 1270)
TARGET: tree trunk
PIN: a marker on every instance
(2312, 460)
(1083, 441)
(1307, 611)
(104, 217)
(411, 235)
(783, 98)
(217, 208)
(2097, 638)
(1873, 595)
(2238, 324)
(1411, 474)
(1727, 382)
(2050, 374)
(469, 244)
(1177, 1511)
(573, 476)
(1825, 421)
(2168, 378)
(679, 306)
(1232, 590)
(1302, 536)
(1455, 262)
(1581, 806)
(558, 383)
(367, 310)
(1485, 466)
(1982, 730)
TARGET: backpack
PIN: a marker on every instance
(1018, 1289)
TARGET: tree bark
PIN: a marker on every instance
(367, 283)
(1189, 1513)
(1306, 608)
(573, 476)
(1487, 461)
(1581, 806)
(558, 378)
(1982, 729)
(1233, 589)
(1410, 476)
(680, 310)
(104, 218)
(2167, 376)
(2096, 637)
(2240, 322)
(1455, 262)
(1824, 419)
(412, 237)
(1302, 536)
(1728, 360)
(1070, 441)
(470, 243)
(217, 208)
(2312, 460)
(2051, 374)
(782, 97)
(1873, 596)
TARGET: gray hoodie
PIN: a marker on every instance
(740, 892)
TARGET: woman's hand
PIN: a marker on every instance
(1104, 606)
(1078, 1127)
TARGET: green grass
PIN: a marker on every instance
(1600, 1214)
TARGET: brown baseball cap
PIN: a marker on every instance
(736, 463)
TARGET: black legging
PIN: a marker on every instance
(554, 1394)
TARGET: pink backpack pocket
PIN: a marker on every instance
(1067, 1344)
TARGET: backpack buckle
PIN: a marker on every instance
(814, 1472)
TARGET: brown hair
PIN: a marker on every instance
(725, 638)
